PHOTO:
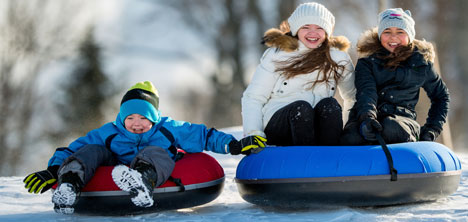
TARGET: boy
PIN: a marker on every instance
(140, 138)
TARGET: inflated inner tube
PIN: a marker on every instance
(201, 175)
(348, 175)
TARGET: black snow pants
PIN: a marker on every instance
(299, 124)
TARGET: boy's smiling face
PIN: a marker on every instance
(137, 123)
(393, 37)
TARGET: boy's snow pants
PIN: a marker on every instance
(86, 160)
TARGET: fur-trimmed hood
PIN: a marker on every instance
(369, 44)
(275, 38)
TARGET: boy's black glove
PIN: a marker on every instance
(369, 127)
(41, 181)
(247, 145)
(428, 134)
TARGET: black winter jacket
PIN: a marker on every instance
(383, 91)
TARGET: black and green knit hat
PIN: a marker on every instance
(143, 99)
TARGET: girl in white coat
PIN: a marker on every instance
(290, 98)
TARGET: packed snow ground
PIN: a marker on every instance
(16, 204)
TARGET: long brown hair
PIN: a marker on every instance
(310, 61)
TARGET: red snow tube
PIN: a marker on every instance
(201, 175)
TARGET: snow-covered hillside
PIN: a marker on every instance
(16, 204)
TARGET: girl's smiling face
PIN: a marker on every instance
(137, 123)
(393, 37)
(312, 36)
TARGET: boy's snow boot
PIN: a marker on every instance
(139, 182)
(65, 196)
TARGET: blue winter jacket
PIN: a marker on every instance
(192, 138)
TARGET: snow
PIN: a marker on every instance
(16, 204)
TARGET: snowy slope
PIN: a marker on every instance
(18, 205)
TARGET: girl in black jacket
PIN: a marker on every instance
(392, 67)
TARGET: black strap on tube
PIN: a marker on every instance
(393, 171)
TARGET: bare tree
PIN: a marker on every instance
(32, 34)
(227, 27)
(451, 33)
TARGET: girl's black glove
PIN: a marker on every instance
(428, 134)
(369, 127)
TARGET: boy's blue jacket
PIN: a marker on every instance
(192, 138)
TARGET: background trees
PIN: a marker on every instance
(83, 97)
(32, 34)
(233, 30)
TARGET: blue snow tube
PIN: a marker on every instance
(302, 176)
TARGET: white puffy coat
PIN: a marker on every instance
(269, 91)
